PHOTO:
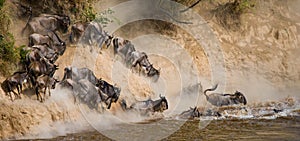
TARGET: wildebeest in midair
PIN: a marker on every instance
(132, 57)
(109, 93)
(90, 34)
(77, 74)
(218, 99)
(123, 48)
(85, 91)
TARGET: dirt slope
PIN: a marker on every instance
(261, 60)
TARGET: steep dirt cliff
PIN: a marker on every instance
(261, 60)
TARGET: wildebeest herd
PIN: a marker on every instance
(45, 46)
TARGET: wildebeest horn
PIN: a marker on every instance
(160, 95)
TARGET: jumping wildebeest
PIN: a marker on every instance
(218, 99)
(47, 22)
(87, 92)
(77, 74)
(15, 81)
(126, 50)
(148, 105)
(123, 48)
(141, 59)
(109, 93)
(89, 34)
(43, 83)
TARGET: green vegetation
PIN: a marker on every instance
(1, 3)
(10, 56)
(244, 5)
(105, 17)
(89, 14)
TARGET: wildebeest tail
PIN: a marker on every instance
(211, 89)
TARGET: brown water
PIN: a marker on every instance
(283, 128)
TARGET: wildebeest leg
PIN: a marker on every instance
(18, 89)
(49, 91)
(45, 90)
(38, 95)
(110, 101)
(133, 65)
(11, 97)
(109, 105)
(15, 93)
(21, 89)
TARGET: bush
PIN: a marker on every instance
(9, 55)
(1, 3)
(104, 17)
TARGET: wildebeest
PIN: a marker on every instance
(218, 99)
(52, 40)
(77, 74)
(41, 67)
(90, 34)
(141, 59)
(109, 93)
(190, 114)
(41, 51)
(197, 112)
(46, 22)
(86, 92)
(15, 82)
(126, 50)
(123, 47)
(148, 105)
(38, 39)
(44, 83)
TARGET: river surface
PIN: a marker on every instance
(283, 128)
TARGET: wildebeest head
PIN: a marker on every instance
(152, 71)
(53, 83)
(163, 104)
(108, 39)
(64, 22)
(240, 98)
